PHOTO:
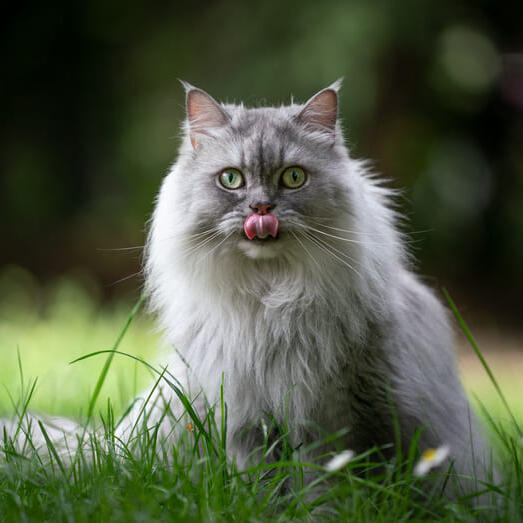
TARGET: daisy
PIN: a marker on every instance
(431, 458)
(339, 461)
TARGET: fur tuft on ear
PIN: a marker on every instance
(336, 86)
(204, 113)
(321, 111)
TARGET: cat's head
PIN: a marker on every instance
(284, 168)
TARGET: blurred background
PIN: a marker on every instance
(433, 94)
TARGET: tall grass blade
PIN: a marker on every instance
(108, 361)
(52, 449)
(486, 366)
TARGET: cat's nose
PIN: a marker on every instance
(262, 207)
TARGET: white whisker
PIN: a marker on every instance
(117, 249)
(341, 238)
(340, 229)
(125, 278)
(328, 249)
(199, 245)
(202, 233)
(332, 248)
(368, 234)
(216, 246)
(306, 250)
(190, 237)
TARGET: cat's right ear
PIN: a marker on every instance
(204, 113)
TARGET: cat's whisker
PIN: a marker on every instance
(190, 237)
(306, 250)
(196, 246)
(332, 248)
(204, 242)
(217, 245)
(192, 242)
(202, 233)
(118, 249)
(192, 249)
(328, 249)
(328, 219)
(340, 229)
(125, 278)
(409, 241)
(169, 238)
(335, 256)
(336, 237)
(341, 238)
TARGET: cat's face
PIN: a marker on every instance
(287, 164)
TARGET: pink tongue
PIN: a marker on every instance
(261, 226)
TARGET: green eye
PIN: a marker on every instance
(293, 177)
(231, 179)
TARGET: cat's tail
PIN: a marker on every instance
(60, 438)
(55, 437)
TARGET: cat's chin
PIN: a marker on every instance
(259, 249)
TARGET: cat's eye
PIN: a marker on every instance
(231, 178)
(293, 177)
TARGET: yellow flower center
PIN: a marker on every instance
(429, 454)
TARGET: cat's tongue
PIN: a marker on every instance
(261, 226)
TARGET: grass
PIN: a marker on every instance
(52, 326)
(146, 478)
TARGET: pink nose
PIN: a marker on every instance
(261, 207)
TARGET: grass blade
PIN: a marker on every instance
(52, 449)
(488, 370)
(108, 361)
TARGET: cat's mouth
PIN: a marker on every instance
(261, 226)
(260, 236)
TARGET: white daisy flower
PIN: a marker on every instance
(339, 461)
(265, 430)
(431, 458)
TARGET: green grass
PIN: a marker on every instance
(53, 326)
(144, 478)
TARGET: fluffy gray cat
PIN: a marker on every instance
(276, 269)
(274, 261)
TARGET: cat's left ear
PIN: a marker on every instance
(321, 111)
(204, 113)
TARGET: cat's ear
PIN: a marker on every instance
(321, 111)
(204, 113)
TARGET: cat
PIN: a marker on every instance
(276, 269)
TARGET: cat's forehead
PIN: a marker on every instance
(261, 120)
(264, 135)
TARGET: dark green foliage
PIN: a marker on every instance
(92, 106)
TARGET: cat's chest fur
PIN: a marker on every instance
(296, 359)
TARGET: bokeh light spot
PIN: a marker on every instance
(469, 58)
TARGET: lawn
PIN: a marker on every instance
(146, 479)
(51, 327)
